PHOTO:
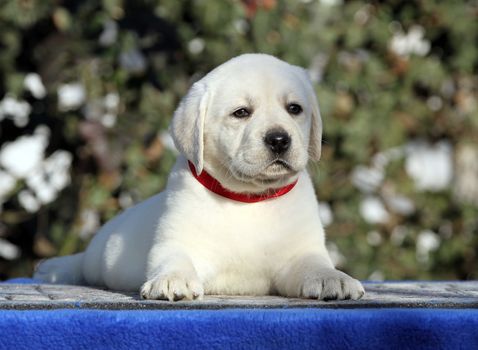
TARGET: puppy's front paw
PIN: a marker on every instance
(331, 284)
(172, 288)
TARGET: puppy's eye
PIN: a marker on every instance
(241, 113)
(294, 108)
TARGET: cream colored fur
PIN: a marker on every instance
(187, 241)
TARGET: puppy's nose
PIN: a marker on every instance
(277, 141)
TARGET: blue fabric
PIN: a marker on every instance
(22, 280)
(239, 329)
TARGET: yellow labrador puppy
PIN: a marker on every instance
(239, 213)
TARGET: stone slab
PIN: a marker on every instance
(378, 295)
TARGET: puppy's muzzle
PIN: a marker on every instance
(278, 141)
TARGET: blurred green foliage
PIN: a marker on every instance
(394, 79)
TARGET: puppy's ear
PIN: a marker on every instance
(315, 140)
(187, 127)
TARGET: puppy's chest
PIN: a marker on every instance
(237, 249)
(248, 232)
(240, 262)
(247, 241)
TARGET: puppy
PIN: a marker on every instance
(239, 213)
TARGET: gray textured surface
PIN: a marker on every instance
(379, 295)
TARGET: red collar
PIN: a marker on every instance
(213, 185)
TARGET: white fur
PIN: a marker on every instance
(187, 241)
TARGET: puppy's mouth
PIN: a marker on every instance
(277, 170)
(279, 165)
(274, 172)
(243, 176)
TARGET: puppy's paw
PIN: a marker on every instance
(331, 284)
(172, 288)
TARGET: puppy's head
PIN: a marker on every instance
(252, 123)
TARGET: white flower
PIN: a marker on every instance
(103, 110)
(109, 34)
(367, 179)
(28, 201)
(7, 184)
(427, 241)
(363, 14)
(196, 46)
(71, 96)
(8, 251)
(331, 2)
(24, 159)
(125, 200)
(241, 26)
(108, 120)
(400, 204)
(16, 109)
(398, 235)
(111, 104)
(111, 101)
(325, 213)
(374, 238)
(33, 83)
(373, 211)
(57, 169)
(317, 67)
(93, 109)
(411, 43)
(90, 222)
(465, 187)
(51, 177)
(46, 193)
(430, 166)
(435, 103)
(24, 155)
(132, 61)
(382, 159)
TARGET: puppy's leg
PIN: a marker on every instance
(173, 277)
(309, 276)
